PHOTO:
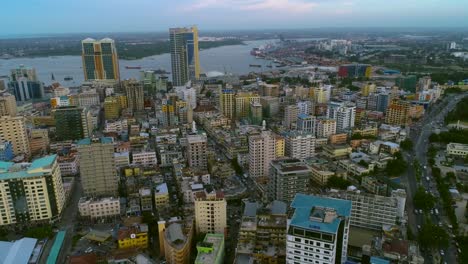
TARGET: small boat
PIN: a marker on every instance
(255, 65)
(133, 67)
(270, 66)
(68, 78)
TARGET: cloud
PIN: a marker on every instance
(290, 6)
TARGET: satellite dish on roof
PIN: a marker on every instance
(132, 236)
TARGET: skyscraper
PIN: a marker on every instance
(135, 95)
(184, 55)
(97, 166)
(72, 123)
(100, 60)
(25, 85)
(318, 231)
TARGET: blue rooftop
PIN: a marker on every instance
(304, 206)
(302, 116)
(54, 252)
(17, 252)
(162, 188)
(377, 260)
(10, 170)
(103, 140)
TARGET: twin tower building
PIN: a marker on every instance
(101, 62)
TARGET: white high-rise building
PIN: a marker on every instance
(304, 107)
(318, 231)
(325, 127)
(299, 145)
(345, 117)
(264, 148)
(210, 212)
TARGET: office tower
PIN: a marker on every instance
(71, 123)
(226, 102)
(185, 60)
(270, 106)
(31, 192)
(197, 151)
(211, 249)
(256, 113)
(210, 212)
(368, 89)
(345, 118)
(397, 112)
(264, 148)
(6, 150)
(355, 71)
(261, 232)
(153, 82)
(100, 60)
(299, 144)
(290, 116)
(306, 123)
(318, 231)
(13, 129)
(242, 103)
(23, 72)
(288, 177)
(97, 166)
(372, 101)
(112, 107)
(175, 241)
(382, 102)
(407, 83)
(135, 96)
(325, 127)
(7, 104)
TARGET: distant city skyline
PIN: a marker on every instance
(56, 16)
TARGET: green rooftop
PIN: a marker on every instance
(10, 170)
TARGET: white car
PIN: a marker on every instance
(442, 253)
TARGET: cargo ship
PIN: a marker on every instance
(133, 67)
(255, 65)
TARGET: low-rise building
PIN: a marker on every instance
(175, 240)
(69, 164)
(456, 149)
(146, 199)
(99, 208)
(161, 196)
(145, 158)
(336, 151)
(135, 236)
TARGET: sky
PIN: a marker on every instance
(86, 16)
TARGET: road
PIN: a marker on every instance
(420, 133)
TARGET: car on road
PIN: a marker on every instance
(419, 227)
(442, 252)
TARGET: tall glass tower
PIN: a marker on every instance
(100, 60)
(184, 55)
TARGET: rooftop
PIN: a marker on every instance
(103, 140)
(289, 165)
(161, 189)
(39, 167)
(208, 250)
(312, 212)
(18, 251)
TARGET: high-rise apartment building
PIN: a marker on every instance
(31, 192)
(306, 123)
(288, 177)
(226, 102)
(100, 60)
(368, 89)
(13, 129)
(197, 151)
(112, 108)
(397, 112)
(345, 118)
(210, 212)
(153, 82)
(72, 123)
(97, 167)
(135, 94)
(299, 145)
(318, 231)
(291, 113)
(325, 127)
(243, 101)
(185, 60)
(7, 104)
(256, 113)
(263, 148)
